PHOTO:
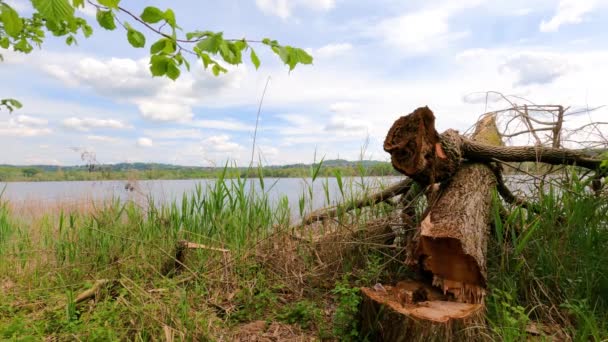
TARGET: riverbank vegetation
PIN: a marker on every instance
(227, 263)
(150, 171)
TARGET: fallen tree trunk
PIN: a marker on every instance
(454, 233)
(418, 151)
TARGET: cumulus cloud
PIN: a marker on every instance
(536, 68)
(568, 12)
(31, 121)
(221, 144)
(86, 124)
(482, 97)
(145, 142)
(424, 30)
(284, 8)
(129, 80)
(227, 125)
(158, 111)
(104, 139)
(14, 128)
(332, 50)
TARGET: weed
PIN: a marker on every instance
(345, 320)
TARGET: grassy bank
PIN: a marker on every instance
(255, 271)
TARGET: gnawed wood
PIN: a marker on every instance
(418, 151)
(454, 234)
(392, 314)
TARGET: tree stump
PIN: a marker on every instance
(452, 242)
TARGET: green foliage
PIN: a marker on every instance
(152, 15)
(552, 259)
(345, 322)
(10, 18)
(30, 172)
(135, 38)
(305, 313)
(58, 18)
(10, 104)
(507, 319)
(105, 19)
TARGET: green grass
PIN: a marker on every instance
(552, 267)
(549, 268)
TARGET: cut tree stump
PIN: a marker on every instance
(450, 248)
(392, 313)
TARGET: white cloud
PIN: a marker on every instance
(284, 8)
(13, 128)
(533, 68)
(86, 124)
(332, 50)
(568, 12)
(31, 121)
(174, 134)
(145, 142)
(221, 144)
(227, 125)
(422, 31)
(129, 80)
(104, 139)
(158, 111)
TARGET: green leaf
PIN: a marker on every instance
(4, 42)
(230, 52)
(204, 57)
(70, 40)
(158, 46)
(170, 17)
(136, 38)
(13, 103)
(78, 3)
(254, 59)
(10, 18)
(217, 69)
(282, 52)
(152, 15)
(106, 19)
(198, 34)
(23, 46)
(87, 30)
(172, 70)
(297, 55)
(109, 3)
(211, 44)
(158, 65)
(54, 10)
(302, 56)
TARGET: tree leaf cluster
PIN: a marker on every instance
(170, 50)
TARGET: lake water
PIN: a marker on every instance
(33, 197)
(168, 191)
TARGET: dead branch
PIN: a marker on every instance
(388, 193)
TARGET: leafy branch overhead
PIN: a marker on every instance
(169, 53)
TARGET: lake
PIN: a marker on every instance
(168, 191)
(41, 196)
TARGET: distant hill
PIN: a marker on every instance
(161, 166)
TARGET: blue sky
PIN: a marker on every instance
(374, 61)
